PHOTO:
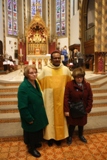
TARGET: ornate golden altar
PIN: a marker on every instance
(37, 36)
(37, 42)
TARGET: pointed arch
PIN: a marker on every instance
(87, 30)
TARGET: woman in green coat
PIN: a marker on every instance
(32, 111)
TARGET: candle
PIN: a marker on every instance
(20, 52)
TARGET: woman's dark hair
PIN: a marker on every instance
(56, 51)
(78, 72)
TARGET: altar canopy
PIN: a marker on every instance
(37, 42)
(37, 36)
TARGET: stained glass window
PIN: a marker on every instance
(12, 17)
(60, 18)
(36, 5)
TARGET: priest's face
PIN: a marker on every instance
(56, 59)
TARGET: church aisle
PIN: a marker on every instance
(95, 149)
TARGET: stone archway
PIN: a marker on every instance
(86, 34)
(100, 33)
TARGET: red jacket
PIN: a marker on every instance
(74, 93)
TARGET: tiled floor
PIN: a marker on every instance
(95, 149)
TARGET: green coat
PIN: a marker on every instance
(31, 107)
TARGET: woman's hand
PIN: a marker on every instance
(67, 114)
(31, 122)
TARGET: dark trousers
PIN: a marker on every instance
(80, 62)
(71, 130)
(32, 138)
(75, 65)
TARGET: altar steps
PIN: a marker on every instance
(8, 95)
(99, 89)
(8, 109)
(98, 81)
(8, 101)
(10, 125)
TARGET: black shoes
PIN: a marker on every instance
(82, 139)
(58, 143)
(34, 153)
(69, 140)
(50, 142)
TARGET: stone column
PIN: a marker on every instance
(80, 19)
(4, 26)
(100, 46)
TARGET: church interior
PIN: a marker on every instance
(30, 31)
